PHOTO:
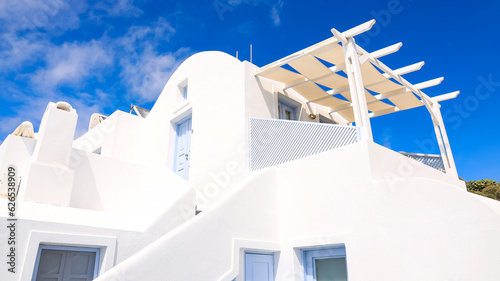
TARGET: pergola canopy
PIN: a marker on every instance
(338, 74)
(329, 86)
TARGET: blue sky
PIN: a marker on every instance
(101, 56)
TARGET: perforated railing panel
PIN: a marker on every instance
(434, 161)
(274, 142)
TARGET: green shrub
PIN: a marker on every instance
(490, 191)
(480, 184)
(486, 187)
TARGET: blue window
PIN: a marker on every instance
(286, 110)
(325, 264)
(58, 263)
(259, 266)
(185, 92)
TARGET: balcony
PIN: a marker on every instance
(432, 160)
(274, 142)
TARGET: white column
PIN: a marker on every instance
(357, 89)
(444, 143)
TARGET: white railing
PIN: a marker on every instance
(274, 141)
(433, 160)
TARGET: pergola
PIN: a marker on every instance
(370, 89)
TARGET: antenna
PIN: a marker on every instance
(236, 54)
(250, 52)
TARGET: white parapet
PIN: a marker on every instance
(49, 179)
(55, 136)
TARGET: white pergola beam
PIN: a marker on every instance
(429, 83)
(358, 29)
(387, 50)
(406, 69)
(337, 34)
(444, 97)
(396, 77)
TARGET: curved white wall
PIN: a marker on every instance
(416, 228)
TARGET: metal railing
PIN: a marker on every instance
(274, 141)
(433, 160)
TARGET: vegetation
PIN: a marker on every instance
(486, 187)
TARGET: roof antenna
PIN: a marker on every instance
(236, 54)
(250, 53)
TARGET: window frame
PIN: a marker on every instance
(177, 124)
(311, 254)
(41, 247)
(183, 90)
(281, 109)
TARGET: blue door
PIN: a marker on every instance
(259, 267)
(183, 147)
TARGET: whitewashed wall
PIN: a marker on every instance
(390, 212)
(223, 94)
(406, 225)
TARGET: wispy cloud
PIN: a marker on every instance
(147, 73)
(115, 8)
(276, 12)
(71, 64)
(387, 138)
(143, 68)
(146, 35)
(17, 51)
(50, 15)
(136, 62)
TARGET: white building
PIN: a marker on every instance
(309, 198)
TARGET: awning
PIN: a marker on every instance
(318, 74)
(322, 75)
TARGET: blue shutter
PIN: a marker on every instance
(259, 267)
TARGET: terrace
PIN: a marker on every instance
(340, 75)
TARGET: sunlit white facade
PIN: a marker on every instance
(215, 184)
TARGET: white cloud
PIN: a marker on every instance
(16, 51)
(387, 138)
(32, 110)
(143, 69)
(275, 13)
(147, 73)
(87, 104)
(160, 30)
(115, 8)
(52, 15)
(71, 63)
